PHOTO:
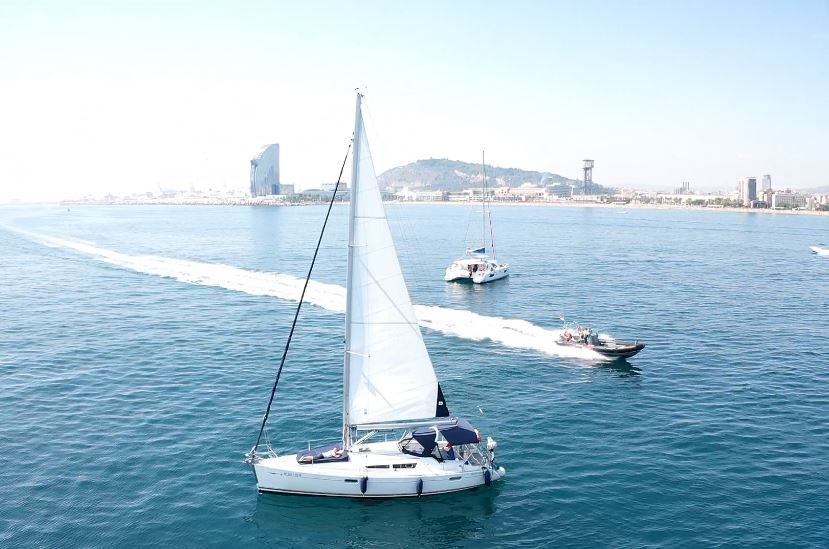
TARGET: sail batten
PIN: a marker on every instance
(388, 375)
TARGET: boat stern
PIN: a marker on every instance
(498, 472)
(453, 273)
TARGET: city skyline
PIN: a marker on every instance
(657, 94)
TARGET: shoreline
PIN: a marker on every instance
(631, 206)
(553, 204)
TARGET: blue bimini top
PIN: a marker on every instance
(462, 432)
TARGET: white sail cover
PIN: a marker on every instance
(389, 374)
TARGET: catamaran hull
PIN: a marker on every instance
(463, 276)
(490, 277)
(457, 277)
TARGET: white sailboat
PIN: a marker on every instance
(406, 443)
(476, 265)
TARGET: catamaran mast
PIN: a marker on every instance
(483, 201)
(355, 178)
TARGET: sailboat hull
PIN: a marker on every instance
(364, 475)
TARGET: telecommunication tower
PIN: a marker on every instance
(588, 176)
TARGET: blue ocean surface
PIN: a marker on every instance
(138, 346)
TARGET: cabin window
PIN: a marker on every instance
(404, 465)
(377, 466)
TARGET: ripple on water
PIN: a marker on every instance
(127, 400)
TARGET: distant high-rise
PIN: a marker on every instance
(264, 171)
(748, 190)
(766, 182)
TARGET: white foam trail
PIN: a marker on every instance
(327, 296)
(514, 333)
(510, 332)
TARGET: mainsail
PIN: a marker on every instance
(388, 375)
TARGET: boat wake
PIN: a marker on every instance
(512, 333)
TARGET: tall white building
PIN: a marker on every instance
(264, 171)
(766, 182)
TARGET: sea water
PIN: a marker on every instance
(138, 346)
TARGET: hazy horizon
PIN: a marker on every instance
(124, 98)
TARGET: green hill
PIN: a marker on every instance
(440, 174)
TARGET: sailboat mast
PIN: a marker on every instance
(483, 199)
(355, 177)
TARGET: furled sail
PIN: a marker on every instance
(388, 373)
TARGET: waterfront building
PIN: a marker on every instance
(264, 171)
(406, 194)
(428, 196)
(527, 191)
(560, 190)
(766, 182)
(467, 195)
(748, 190)
(323, 195)
(329, 187)
(286, 188)
(683, 199)
(434, 196)
(788, 199)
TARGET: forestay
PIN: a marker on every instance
(388, 373)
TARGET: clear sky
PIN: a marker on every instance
(127, 96)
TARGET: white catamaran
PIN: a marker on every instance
(476, 266)
(389, 384)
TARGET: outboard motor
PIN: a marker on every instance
(491, 445)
